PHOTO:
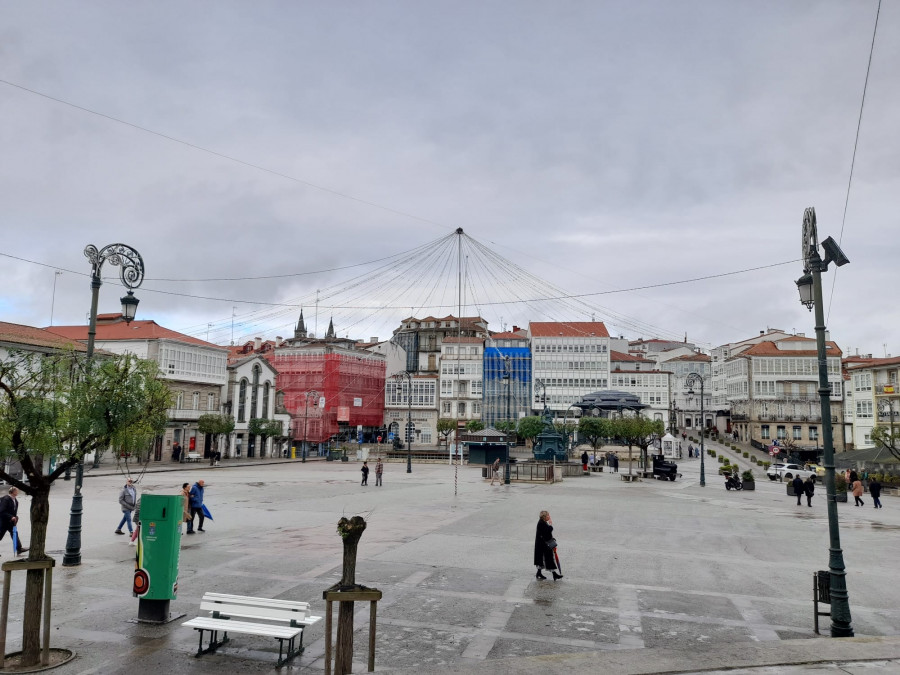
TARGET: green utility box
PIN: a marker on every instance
(156, 559)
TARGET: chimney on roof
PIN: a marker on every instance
(257, 343)
(278, 340)
(762, 332)
(827, 335)
(515, 328)
(373, 339)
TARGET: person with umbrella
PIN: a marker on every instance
(545, 557)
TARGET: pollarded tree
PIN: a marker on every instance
(445, 427)
(66, 406)
(265, 429)
(594, 429)
(637, 431)
(215, 425)
(888, 437)
(474, 425)
(529, 427)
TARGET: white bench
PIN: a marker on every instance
(283, 620)
(193, 457)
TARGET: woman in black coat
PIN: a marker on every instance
(544, 558)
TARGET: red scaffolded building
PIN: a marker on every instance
(330, 387)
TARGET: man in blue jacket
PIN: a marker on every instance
(196, 502)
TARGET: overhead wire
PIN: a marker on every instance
(225, 156)
(862, 106)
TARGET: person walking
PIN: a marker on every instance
(857, 488)
(495, 472)
(195, 497)
(379, 469)
(875, 491)
(186, 507)
(797, 484)
(545, 547)
(809, 489)
(365, 473)
(584, 461)
(127, 500)
(615, 459)
(9, 516)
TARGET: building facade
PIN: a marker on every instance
(772, 388)
(569, 360)
(507, 377)
(640, 376)
(195, 372)
(873, 392)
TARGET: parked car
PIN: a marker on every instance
(789, 472)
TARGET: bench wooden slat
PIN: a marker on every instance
(230, 626)
(249, 600)
(261, 613)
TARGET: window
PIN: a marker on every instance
(195, 401)
(210, 401)
(242, 401)
(179, 400)
(476, 408)
(447, 388)
(814, 433)
(864, 408)
(798, 435)
(445, 408)
(476, 388)
(265, 401)
(254, 392)
(782, 432)
(461, 409)
(764, 431)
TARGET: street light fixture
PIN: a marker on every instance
(303, 452)
(131, 275)
(690, 380)
(409, 427)
(810, 288)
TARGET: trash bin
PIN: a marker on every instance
(156, 559)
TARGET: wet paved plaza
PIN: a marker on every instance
(650, 565)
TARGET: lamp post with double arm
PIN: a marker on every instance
(303, 452)
(131, 275)
(690, 380)
(810, 288)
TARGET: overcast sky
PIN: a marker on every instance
(599, 146)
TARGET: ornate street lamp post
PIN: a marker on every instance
(690, 380)
(305, 449)
(810, 287)
(131, 274)
(508, 377)
(409, 427)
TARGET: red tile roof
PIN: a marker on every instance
(691, 357)
(769, 348)
(510, 335)
(579, 329)
(871, 363)
(18, 334)
(621, 356)
(136, 330)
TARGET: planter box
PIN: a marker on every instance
(840, 496)
(749, 485)
(790, 490)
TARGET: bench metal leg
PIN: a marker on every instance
(292, 651)
(214, 642)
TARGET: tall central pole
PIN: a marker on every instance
(841, 622)
(702, 430)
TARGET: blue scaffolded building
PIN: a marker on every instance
(498, 362)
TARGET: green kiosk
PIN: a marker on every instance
(156, 558)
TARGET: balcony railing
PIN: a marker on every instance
(887, 389)
(185, 414)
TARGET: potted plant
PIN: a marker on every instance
(840, 488)
(748, 480)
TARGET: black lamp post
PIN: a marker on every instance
(690, 380)
(409, 426)
(131, 274)
(810, 287)
(303, 452)
(508, 377)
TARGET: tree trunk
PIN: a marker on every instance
(351, 531)
(34, 582)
